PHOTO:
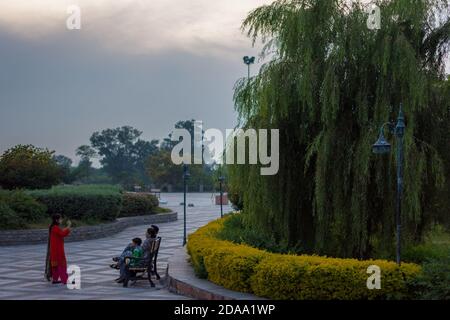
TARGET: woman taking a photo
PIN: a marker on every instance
(56, 265)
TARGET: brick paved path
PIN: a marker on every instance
(22, 267)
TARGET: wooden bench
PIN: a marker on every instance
(148, 268)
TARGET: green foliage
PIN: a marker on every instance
(24, 205)
(82, 202)
(235, 230)
(65, 166)
(135, 204)
(331, 83)
(25, 166)
(436, 246)
(236, 200)
(9, 219)
(161, 210)
(18, 209)
(423, 252)
(434, 281)
(123, 154)
(163, 172)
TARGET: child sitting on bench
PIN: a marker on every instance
(133, 250)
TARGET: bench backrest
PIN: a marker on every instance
(153, 250)
(154, 246)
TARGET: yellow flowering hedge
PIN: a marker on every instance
(280, 276)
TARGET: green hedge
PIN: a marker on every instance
(136, 204)
(17, 209)
(281, 276)
(10, 219)
(82, 202)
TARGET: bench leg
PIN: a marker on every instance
(149, 274)
(156, 271)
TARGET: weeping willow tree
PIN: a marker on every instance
(329, 85)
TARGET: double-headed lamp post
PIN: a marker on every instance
(248, 61)
(383, 147)
(186, 176)
(221, 180)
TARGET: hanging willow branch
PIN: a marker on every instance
(330, 85)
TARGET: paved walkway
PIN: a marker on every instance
(22, 267)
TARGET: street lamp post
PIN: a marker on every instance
(248, 61)
(186, 176)
(383, 147)
(221, 180)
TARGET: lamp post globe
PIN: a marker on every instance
(381, 146)
(248, 61)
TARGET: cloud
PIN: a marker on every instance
(137, 26)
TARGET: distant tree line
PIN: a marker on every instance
(125, 159)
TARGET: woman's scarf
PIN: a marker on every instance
(48, 266)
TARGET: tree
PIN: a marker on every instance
(65, 165)
(168, 144)
(123, 153)
(161, 169)
(63, 161)
(86, 153)
(330, 85)
(25, 166)
(84, 169)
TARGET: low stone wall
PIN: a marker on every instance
(23, 237)
(181, 279)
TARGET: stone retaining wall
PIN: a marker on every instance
(22, 237)
(181, 279)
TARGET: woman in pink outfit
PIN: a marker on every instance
(56, 258)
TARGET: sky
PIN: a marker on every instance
(141, 63)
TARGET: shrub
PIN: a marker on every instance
(9, 219)
(201, 244)
(135, 204)
(236, 200)
(233, 266)
(434, 281)
(28, 167)
(24, 205)
(235, 230)
(82, 202)
(277, 276)
(424, 252)
(321, 278)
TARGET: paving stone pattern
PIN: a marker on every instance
(22, 267)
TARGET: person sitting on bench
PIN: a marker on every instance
(152, 233)
(132, 266)
(134, 250)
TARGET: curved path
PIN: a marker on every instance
(21, 267)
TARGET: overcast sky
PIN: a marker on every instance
(144, 63)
